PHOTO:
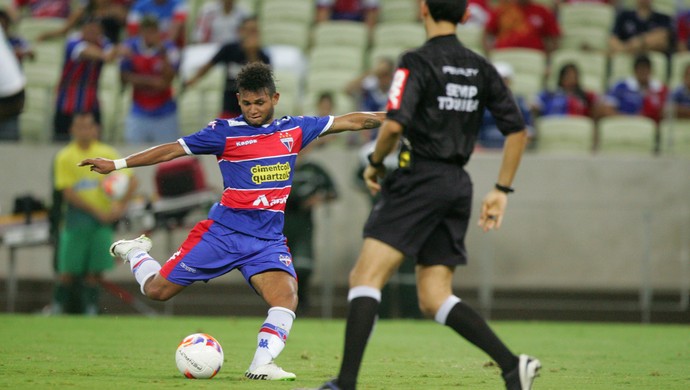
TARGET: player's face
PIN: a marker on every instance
(257, 106)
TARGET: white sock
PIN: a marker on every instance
(446, 307)
(272, 336)
(143, 266)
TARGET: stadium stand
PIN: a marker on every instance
(529, 66)
(323, 58)
(676, 137)
(622, 66)
(471, 37)
(398, 11)
(285, 33)
(391, 52)
(340, 33)
(679, 62)
(297, 11)
(405, 35)
(598, 16)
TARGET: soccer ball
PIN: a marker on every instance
(199, 356)
(115, 185)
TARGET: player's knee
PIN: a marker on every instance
(428, 310)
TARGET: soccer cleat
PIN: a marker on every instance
(123, 247)
(523, 375)
(330, 385)
(270, 372)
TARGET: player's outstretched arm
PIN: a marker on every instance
(356, 121)
(151, 156)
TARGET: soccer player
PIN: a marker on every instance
(435, 106)
(256, 156)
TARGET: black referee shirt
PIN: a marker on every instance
(439, 93)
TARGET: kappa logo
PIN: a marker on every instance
(245, 143)
(287, 141)
(285, 259)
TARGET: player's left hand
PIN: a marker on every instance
(371, 177)
(493, 207)
(99, 165)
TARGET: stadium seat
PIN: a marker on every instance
(336, 58)
(45, 70)
(407, 35)
(30, 28)
(285, 33)
(679, 62)
(471, 37)
(397, 11)
(592, 67)
(580, 38)
(391, 52)
(287, 105)
(342, 102)
(675, 140)
(667, 7)
(36, 121)
(591, 15)
(196, 108)
(288, 58)
(297, 11)
(529, 66)
(340, 34)
(251, 5)
(331, 80)
(627, 134)
(565, 134)
(622, 66)
(524, 61)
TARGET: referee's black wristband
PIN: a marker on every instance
(505, 189)
(372, 163)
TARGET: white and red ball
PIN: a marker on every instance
(115, 185)
(199, 356)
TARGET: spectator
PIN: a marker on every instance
(569, 98)
(150, 66)
(312, 186)
(490, 137)
(87, 229)
(325, 104)
(680, 98)
(371, 91)
(366, 11)
(77, 90)
(12, 83)
(112, 15)
(640, 30)
(234, 56)
(522, 24)
(19, 45)
(683, 31)
(479, 11)
(638, 95)
(219, 22)
(44, 8)
(171, 15)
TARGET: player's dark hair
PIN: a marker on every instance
(149, 21)
(642, 60)
(4, 15)
(256, 77)
(448, 10)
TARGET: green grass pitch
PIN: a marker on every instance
(129, 352)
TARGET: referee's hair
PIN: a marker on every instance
(448, 10)
(255, 77)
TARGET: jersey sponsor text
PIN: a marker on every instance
(397, 88)
(269, 173)
(459, 98)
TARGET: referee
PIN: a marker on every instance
(435, 107)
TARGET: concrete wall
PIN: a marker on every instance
(575, 222)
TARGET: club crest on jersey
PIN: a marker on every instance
(287, 141)
(285, 259)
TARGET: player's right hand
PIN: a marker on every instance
(371, 178)
(99, 165)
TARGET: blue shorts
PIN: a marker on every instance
(212, 250)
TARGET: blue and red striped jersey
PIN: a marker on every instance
(78, 88)
(257, 166)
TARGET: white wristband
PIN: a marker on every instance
(120, 163)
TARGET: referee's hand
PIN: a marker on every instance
(371, 177)
(493, 207)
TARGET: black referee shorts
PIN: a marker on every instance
(424, 212)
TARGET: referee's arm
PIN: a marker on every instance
(386, 141)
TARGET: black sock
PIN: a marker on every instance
(360, 321)
(470, 325)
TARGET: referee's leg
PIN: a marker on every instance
(436, 300)
(376, 263)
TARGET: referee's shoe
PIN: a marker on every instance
(522, 376)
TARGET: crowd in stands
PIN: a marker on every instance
(586, 58)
